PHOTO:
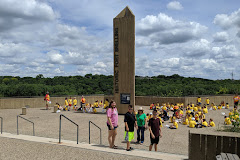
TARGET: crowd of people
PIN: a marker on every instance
(192, 115)
(72, 104)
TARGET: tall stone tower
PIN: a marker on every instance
(124, 59)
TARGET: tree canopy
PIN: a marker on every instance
(165, 86)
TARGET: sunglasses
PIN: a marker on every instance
(130, 109)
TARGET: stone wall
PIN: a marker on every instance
(36, 102)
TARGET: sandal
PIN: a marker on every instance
(115, 147)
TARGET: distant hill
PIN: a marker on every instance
(165, 86)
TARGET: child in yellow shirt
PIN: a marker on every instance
(192, 123)
(66, 104)
(174, 126)
(227, 106)
(227, 120)
(205, 110)
(211, 123)
(75, 103)
(185, 121)
(215, 108)
(219, 107)
(204, 123)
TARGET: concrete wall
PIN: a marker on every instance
(147, 100)
(13, 103)
(36, 102)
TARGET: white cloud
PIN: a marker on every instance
(165, 30)
(228, 21)
(220, 37)
(174, 5)
(14, 13)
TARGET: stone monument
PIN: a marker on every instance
(124, 59)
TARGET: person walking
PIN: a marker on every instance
(130, 122)
(47, 99)
(155, 130)
(236, 100)
(83, 101)
(142, 125)
(112, 124)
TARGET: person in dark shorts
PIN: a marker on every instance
(155, 130)
(130, 121)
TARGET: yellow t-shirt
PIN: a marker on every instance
(214, 107)
(208, 101)
(95, 104)
(195, 109)
(192, 124)
(203, 116)
(181, 112)
(212, 124)
(205, 124)
(219, 107)
(199, 112)
(175, 124)
(75, 102)
(227, 121)
(236, 117)
(94, 110)
(199, 100)
(164, 108)
(189, 111)
(185, 122)
(205, 110)
(66, 103)
(227, 106)
(189, 118)
(172, 118)
(69, 101)
(106, 104)
(197, 117)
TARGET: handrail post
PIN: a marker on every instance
(33, 130)
(100, 136)
(1, 124)
(77, 133)
(89, 131)
(17, 125)
(60, 129)
(25, 120)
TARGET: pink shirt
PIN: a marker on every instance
(113, 115)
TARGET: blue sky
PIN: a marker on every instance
(192, 38)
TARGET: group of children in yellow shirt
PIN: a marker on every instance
(195, 114)
(88, 108)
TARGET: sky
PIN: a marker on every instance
(192, 38)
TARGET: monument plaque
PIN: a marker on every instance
(124, 59)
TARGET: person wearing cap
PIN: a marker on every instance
(192, 123)
(142, 125)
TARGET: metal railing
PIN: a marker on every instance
(1, 124)
(61, 127)
(26, 120)
(90, 132)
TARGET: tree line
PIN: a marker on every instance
(165, 86)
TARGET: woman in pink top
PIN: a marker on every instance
(112, 123)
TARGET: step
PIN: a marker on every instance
(101, 148)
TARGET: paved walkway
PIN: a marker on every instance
(94, 147)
